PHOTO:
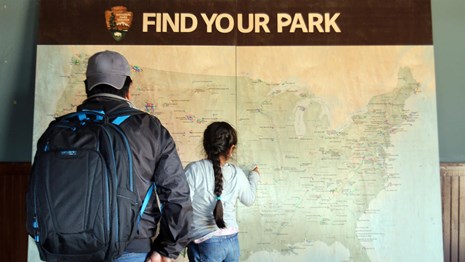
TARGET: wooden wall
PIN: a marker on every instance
(14, 179)
(14, 240)
(453, 211)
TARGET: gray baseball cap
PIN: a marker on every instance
(107, 67)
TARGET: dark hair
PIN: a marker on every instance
(217, 140)
(108, 89)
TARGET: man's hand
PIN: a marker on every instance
(156, 257)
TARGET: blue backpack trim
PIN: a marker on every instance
(120, 119)
(145, 202)
(85, 114)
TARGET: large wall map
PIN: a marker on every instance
(345, 138)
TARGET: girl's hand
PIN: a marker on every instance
(256, 170)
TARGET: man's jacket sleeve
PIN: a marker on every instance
(174, 195)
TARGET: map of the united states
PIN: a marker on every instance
(331, 168)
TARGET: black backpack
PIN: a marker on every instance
(82, 203)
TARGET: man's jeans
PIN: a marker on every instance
(132, 257)
(218, 248)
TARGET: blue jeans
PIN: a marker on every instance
(218, 248)
(131, 257)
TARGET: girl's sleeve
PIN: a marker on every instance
(248, 186)
(190, 179)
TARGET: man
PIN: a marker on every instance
(108, 88)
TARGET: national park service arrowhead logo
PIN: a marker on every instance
(118, 20)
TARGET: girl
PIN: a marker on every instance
(215, 186)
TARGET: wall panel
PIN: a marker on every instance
(453, 210)
(13, 180)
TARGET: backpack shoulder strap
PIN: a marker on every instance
(120, 115)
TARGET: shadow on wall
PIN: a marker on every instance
(18, 124)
